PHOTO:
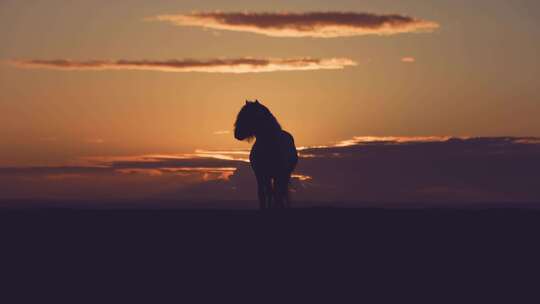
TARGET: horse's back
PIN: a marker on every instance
(278, 156)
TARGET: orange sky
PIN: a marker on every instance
(474, 74)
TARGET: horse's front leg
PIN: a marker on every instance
(264, 192)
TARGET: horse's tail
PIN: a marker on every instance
(289, 150)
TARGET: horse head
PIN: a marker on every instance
(253, 118)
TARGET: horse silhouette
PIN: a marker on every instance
(273, 157)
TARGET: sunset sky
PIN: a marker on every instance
(84, 83)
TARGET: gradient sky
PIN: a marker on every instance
(476, 75)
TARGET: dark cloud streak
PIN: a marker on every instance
(309, 24)
(237, 65)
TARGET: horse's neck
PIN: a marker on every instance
(268, 138)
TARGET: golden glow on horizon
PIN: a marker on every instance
(301, 177)
(395, 139)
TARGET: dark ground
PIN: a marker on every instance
(454, 249)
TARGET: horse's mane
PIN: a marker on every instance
(256, 115)
(270, 122)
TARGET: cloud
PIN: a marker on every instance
(99, 179)
(363, 170)
(239, 65)
(358, 140)
(222, 132)
(427, 170)
(408, 59)
(309, 24)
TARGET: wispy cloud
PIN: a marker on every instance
(309, 24)
(239, 65)
(408, 59)
(358, 140)
(222, 132)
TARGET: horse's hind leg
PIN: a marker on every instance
(286, 197)
(281, 191)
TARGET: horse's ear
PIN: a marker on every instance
(247, 101)
(256, 101)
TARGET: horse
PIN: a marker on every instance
(273, 156)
